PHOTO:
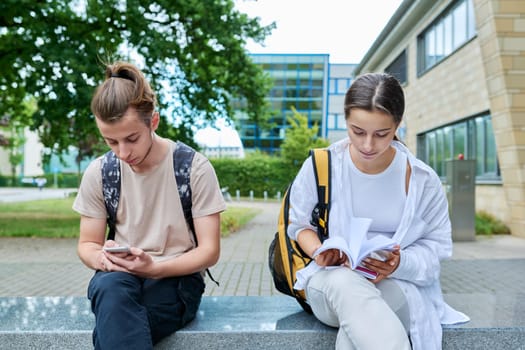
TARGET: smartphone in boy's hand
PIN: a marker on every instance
(117, 249)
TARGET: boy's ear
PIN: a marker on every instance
(155, 120)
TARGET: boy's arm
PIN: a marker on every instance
(91, 241)
(206, 254)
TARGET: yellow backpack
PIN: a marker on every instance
(285, 256)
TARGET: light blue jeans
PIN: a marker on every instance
(368, 316)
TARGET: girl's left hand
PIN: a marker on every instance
(384, 268)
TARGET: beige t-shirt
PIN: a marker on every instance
(149, 215)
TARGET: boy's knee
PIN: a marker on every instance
(112, 284)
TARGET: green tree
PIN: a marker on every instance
(191, 50)
(299, 140)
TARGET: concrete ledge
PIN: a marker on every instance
(249, 323)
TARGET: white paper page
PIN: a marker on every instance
(336, 242)
(356, 235)
(378, 242)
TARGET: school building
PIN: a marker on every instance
(306, 82)
(462, 65)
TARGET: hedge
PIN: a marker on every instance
(257, 173)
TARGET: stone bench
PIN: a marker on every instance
(250, 322)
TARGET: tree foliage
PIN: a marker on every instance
(192, 51)
(299, 140)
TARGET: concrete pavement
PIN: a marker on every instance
(484, 279)
(19, 194)
(50, 267)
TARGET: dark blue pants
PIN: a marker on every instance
(135, 313)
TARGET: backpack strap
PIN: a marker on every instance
(182, 161)
(111, 189)
(321, 161)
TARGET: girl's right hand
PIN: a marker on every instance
(331, 257)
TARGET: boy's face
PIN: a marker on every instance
(130, 138)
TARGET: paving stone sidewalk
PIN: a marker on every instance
(50, 267)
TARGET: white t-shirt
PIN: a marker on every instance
(380, 197)
(149, 215)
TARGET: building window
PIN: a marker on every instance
(336, 122)
(339, 86)
(299, 81)
(453, 28)
(398, 68)
(474, 138)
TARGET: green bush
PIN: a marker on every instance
(488, 224)
(63, 181)
(257, 173)
(6, 181)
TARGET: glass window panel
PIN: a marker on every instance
(332, 121)
(447, 35)
(421, 64)
(291, 92)
(447, 142)
(332, 86)
(431, 148)
(278, 83)
(341, 122)
(398, 68)
(439, 41)
(440, 164)
(471, 20)
(291, 82)
(459, 139)
(306, 83)
(303, 105)
(480, 146)
(275, 104)
(315, 117)
(277, 93)
(317, 83)
(430, 48)
(460, 24)
(342, 85)
(248, 131)
(421, 147)
(490, 144)
(316, 93)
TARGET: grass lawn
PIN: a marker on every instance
(236, 217)
(54, 218)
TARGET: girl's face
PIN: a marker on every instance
(130, 138)
(371, 134)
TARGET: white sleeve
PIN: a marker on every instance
(420, 259)
(303, 198)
